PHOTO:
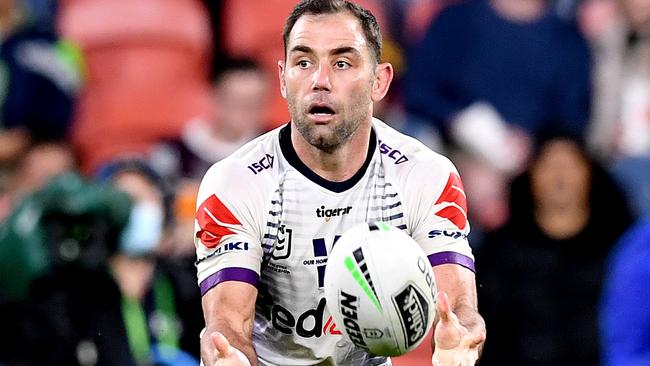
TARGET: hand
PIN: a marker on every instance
(455, 345)
(224, 354)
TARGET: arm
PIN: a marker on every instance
(437, 213)
(459, 330)
(229, 255)
(229, 308)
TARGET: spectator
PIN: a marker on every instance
(620, 132)
(39, 79)
(68, 221)
(40, 163)
(541, 274)
(31, 195)
(241, 91)
(490, 75)
(625, 311)
(145, 78)
(158, 288)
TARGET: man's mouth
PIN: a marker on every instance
(321, 111)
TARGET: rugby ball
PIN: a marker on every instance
(380, 289)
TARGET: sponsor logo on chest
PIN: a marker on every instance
(328, 213)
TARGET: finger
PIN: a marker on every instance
(477, 339)
(442, 306)
(221, 344)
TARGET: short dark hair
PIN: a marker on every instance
(314, 7)
(235, 64)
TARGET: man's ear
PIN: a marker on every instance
(283, 86)
(383, 77)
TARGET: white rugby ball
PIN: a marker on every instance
(380, 289)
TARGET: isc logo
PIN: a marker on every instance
(392, 153)
(264, 163)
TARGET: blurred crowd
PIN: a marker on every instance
(111, 111)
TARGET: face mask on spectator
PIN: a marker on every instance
(143, 231)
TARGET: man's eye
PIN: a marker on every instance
(303, 64)
(342, 65)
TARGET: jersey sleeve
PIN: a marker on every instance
(226, 227)
(438, 212)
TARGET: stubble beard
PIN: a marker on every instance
(352, 116)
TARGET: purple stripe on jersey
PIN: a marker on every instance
(229, 274)
(452, 257)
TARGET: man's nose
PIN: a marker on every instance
(322, 78)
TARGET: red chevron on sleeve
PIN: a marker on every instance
(454, 194)
(214, 218)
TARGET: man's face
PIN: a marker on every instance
(328, 78)
(638, 13)
(242, 97)
(560, 177)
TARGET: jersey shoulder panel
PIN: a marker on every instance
(433, 195)
(233, 197)
(249, 170)
(407, 158)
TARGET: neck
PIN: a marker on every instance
(339, 164)
(562, 222)
(523, 11)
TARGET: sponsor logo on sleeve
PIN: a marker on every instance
(225, 248)
(456, 203)
(215, 221)
(394, 154)
(447, 233)
(264, 163)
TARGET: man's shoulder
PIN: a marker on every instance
(406, 152)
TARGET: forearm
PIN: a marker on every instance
(465, 328)
(229, 309)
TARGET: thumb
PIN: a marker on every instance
(442, 307)
(448, 332)
(221, 344)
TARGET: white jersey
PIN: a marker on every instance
(264, 218)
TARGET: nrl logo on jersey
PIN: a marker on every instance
(282, 248)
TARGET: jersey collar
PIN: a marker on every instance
(290, 154)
